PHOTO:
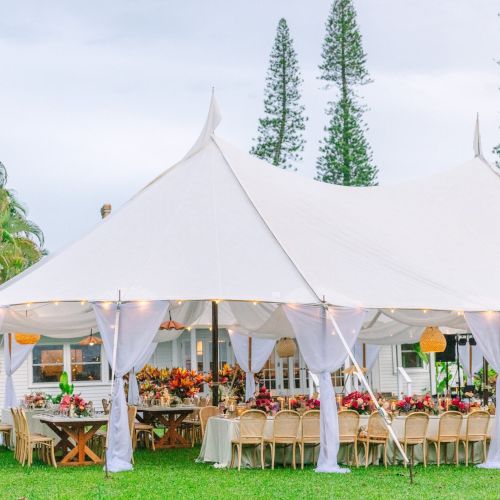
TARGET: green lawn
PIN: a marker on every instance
(174, 474)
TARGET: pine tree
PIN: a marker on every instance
(346, 156)
(280, 140)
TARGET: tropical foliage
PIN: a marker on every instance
(21, 241)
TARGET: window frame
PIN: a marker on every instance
(423, 367)
(105, 379)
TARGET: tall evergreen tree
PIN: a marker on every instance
(280, 140)
(345, 154)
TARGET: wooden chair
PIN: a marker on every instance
(18, 446)
(43, 443)
(377, 435)
(415, 433)
(310, 430)
(450, 423)
(285, 430)
(106, 406)
(348, 432)
(204, 414)
(252, 424)
(132, 412)
(6, 432)
(476, 432)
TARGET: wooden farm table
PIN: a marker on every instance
(74, 434)
(169, 416)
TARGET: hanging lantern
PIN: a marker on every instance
(27, 338)
(171, 324)
(432, 340)
(91, 340)
(286, 348)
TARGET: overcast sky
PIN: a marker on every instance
(97, 98)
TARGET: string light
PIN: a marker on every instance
(56, 303)
(83, 302)
(424, 311)
(179, 302)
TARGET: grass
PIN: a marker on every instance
(174, 473)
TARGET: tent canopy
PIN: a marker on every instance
(222, 224)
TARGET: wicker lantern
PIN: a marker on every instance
(432, 340)
(286, 347)
(27, 338)
(171, 324)
(91, 340)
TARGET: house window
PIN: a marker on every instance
(338, 378)
(85, 363)
(48, 363)
(410, 357)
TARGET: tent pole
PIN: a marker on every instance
(10, 347)
(485, 382)
(471, 375)
(215, 353)
(458, 367)
(362, 377)
(250, 372)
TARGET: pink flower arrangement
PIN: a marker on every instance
(456, 405)
(358, 401)
(79, 405)
(312, 404)
(416, 403)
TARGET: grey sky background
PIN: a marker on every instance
(97, 98)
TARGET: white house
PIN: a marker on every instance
(89, 369)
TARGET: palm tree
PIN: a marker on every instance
(21, 240)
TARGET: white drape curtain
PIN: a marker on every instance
(465, 352)
(261, 350)
(12, 361)
(486, 330)
(133, 386)
(324, 353)
(139, 322)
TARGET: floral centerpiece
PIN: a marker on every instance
(456, 404)
(76, 404)
(35, 400)
(416, 403)
(264, 401)
(312, 404)
(358, 401)
(185, 383)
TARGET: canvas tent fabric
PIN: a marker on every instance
(281, 235)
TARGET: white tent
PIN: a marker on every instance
(221, 224)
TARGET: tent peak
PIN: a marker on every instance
(214, 117)
(477, 139)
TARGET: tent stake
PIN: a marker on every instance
(215, 353)
(362, 377)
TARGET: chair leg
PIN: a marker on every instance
(302, 446)
(406, 453)
(466, 451)
(472, 451)
(484, 449)
(356, 453)
(367, 449)
(271, 445)
(262, 462)
(294, 463)
(424, 453)
(240, 446)
(385, 454)
(232, 456)
(456, 452)
(52, 455)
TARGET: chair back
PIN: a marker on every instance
(416, 426)
(348, 424)
(286, 424)
(132, 412)
(205, 413)
(477, 424)
(23, 423)
(377, 427)
(310, 424)
(252, 424)
(450, 423)
(105, 406)
(15, 421)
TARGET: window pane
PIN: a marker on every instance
(85, 353)
(85, 362)
(47, 363)
(44, 354)
(409, 358)
(89, 372)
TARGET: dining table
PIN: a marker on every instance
(170, 419)
(74, 433)
(221, 431)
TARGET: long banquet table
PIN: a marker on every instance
(220, 431)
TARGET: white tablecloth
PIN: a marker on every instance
(219, 433)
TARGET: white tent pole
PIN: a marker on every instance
(115, 341)
(361, 376)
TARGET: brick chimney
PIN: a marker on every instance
(105, 210)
